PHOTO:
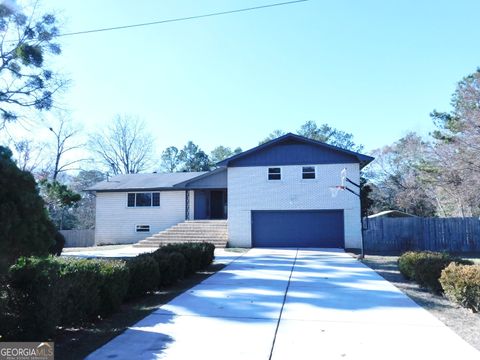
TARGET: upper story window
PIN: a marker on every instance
(142, 199)
(274, 173)
(308, 172)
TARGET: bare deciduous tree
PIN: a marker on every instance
(27, 154)
(124, 147)
(63, 144)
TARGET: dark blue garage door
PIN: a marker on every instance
(298, 228)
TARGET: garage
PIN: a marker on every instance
(298, 228)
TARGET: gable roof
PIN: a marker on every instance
(130, 182)
(216, 178)
(362, 159)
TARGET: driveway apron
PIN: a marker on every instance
(289, 304)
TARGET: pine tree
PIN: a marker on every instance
(25, 228)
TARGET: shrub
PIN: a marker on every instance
(115, 282)
(56, 249)
(35, 297)
(426, 267)
(25, 228)
(81, 281)
(46, 292)
(197, 255)
(406, 264)
(461, 284)
(8, 320)
(171, 267)
(144, 275)
(208, 254)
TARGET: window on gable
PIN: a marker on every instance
(143, 199)
(274, 174)
(308, 172)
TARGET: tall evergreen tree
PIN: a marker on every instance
(25, 228)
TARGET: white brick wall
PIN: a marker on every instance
(249, 189)
(115, 222)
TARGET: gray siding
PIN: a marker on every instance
(217, 180)
(293, 153)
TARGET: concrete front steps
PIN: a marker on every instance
(212, 231)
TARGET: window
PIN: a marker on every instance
(274, 174)
(143, 199)
(308, 172)
(142, 228)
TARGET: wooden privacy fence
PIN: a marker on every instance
(396, 235)
(79, 238)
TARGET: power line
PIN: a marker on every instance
(182, 18)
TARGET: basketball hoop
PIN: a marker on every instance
(343, 177)
(335, 189)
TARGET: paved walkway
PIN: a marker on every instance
(290, 304)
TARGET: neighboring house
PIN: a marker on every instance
(391, 214)
(276, 194)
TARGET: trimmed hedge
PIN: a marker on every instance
(47, 292)
(461, 284)
(35, 297)
(92, 288)
(144, 275)
(426, 267)
(114, 287)
(80, 279)
(39, 294)
(197, 255)
(171, 267)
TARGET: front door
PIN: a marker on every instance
(210, 204)
(201, 204)
(218, 204)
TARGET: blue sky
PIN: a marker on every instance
(372, 68)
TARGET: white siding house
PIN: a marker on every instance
(116, 223)
(275, 195)
(290, 193)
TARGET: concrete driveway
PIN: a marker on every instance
(290, 304)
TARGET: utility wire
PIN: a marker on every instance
(182, 18)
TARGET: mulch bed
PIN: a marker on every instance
(464, 322)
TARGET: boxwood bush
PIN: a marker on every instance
(40, 293)
(171, 267)
(35, 297)
(461, 284)
(144, 275)
(426, 267)
(80, 280)
(91, 288)
(115, 282)
(197, 255)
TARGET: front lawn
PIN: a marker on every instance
(464, 322)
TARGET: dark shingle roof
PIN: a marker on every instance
(144, 181)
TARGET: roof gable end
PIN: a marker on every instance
(292, 149)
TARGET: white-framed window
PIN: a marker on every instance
(142, 228)
(274, 173)
(143, 199)
(308, 172)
